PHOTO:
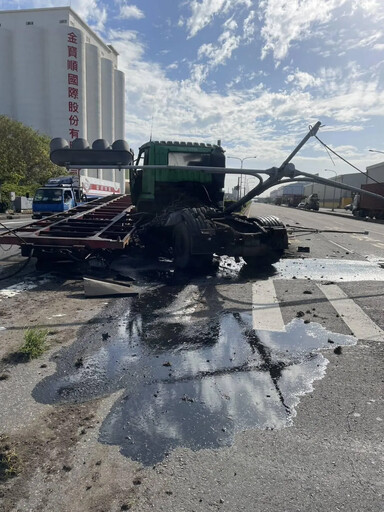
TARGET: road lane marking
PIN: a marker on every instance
(352, 314)
(341, 247)
(266, 313)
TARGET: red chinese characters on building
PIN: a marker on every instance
(73, 120)
(73, 86)
(73, 106)
(73, 92)
(72, 65)
(73, 79)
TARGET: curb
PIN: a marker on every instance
(346, 216)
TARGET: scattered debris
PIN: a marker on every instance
(79, 362)
(168, 363)
(186, 398)
(105, 288)
(338, 350)
(299, 314)
(105, 336)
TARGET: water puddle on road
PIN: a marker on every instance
(193, 374)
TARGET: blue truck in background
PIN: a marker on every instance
(66, 192)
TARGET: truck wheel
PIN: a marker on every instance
(273, 256)
(182, 256)
(181, 245)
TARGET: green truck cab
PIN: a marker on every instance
(179, 208)
(153, 190)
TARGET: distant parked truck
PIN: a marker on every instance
(312, 202)
(366, 206)
(66, 192)
(294, 200)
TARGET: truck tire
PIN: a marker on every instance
(273, 256)
(182, 257)
(181, 245)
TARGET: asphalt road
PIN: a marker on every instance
(325, 244)
(236, 390)
(9, 255)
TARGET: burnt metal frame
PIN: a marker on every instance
(40, 233)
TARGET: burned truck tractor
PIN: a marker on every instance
(177, 210)
(184, 209)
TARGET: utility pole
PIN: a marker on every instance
(334, 189)
(240, 180)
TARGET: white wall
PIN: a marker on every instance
(34, 76)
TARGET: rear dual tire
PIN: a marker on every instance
(182, 256)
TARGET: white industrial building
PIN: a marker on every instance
(60, 78)
(338, 198)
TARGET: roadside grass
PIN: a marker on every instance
(35, 343)
(10, 464)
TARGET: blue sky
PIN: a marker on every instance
(252, 73)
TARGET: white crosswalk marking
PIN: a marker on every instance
(266, 314)
(341, 246)
(359, 323)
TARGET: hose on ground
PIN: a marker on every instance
(3, 278)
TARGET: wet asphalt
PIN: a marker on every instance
(226, 416)
(192, 369)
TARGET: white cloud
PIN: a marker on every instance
(345, 41)
(223, 51)
(302, 80)
(249, 26)
(204, 11)
(255, 119)
(131, 11)
(216, 55)
(286, 21)
(369, 8)
(342, 128)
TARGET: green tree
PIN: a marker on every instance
(24, 159)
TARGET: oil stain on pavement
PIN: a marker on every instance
(194, 374)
